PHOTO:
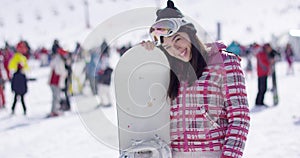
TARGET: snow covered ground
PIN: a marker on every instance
(274, 132)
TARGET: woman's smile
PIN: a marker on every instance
(178, 46)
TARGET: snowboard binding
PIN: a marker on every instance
(152, 148)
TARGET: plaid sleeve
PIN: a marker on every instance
(237, 109)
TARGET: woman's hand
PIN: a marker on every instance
(148, 45)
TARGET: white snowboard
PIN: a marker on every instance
(141, 83)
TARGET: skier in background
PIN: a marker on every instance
(263, 71)
(66, 106)
(90, 71)
(289, 54)
(19, 87)
(104, 79)
(103, 72)
(78, 50)
(7, 55)
(273, 56)
(55, 46)
(57, 80)
(2, 85)
(18, 58)
(28, 49)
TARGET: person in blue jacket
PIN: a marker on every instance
(19, 87)
(234, 47)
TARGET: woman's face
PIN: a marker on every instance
(178, 46)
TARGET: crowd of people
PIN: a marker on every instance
(13, 60)
(13, 63)
(97, 71)
(266, 57)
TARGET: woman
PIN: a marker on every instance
(209, 111)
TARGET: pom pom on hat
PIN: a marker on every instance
(169, 12)
(170, 4)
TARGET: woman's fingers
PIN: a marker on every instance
(148, 45)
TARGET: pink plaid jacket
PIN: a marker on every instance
(213, 113)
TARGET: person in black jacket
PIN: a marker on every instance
(55, 46)
(104, 80)
(19, 86)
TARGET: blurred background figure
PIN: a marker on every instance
(78, 50)
(234, 47)
(19, 87)
(55, 46)
(104, 81)
(273, 57)
(65, 104)
(7, 55)
(289, 54)
(90, 71)
(104, 76)
(44, 57)
(249, 67)
(57, 81)
(263, 71)
(27, 53)
(2, 83)
(123, 49)
(18, 58)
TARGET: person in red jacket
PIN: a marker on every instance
(7, 55)
(57, 78)
(2, 84)
(263, 71)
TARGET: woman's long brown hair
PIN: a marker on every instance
(186, 71)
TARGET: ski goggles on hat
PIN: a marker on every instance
(165, 28)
